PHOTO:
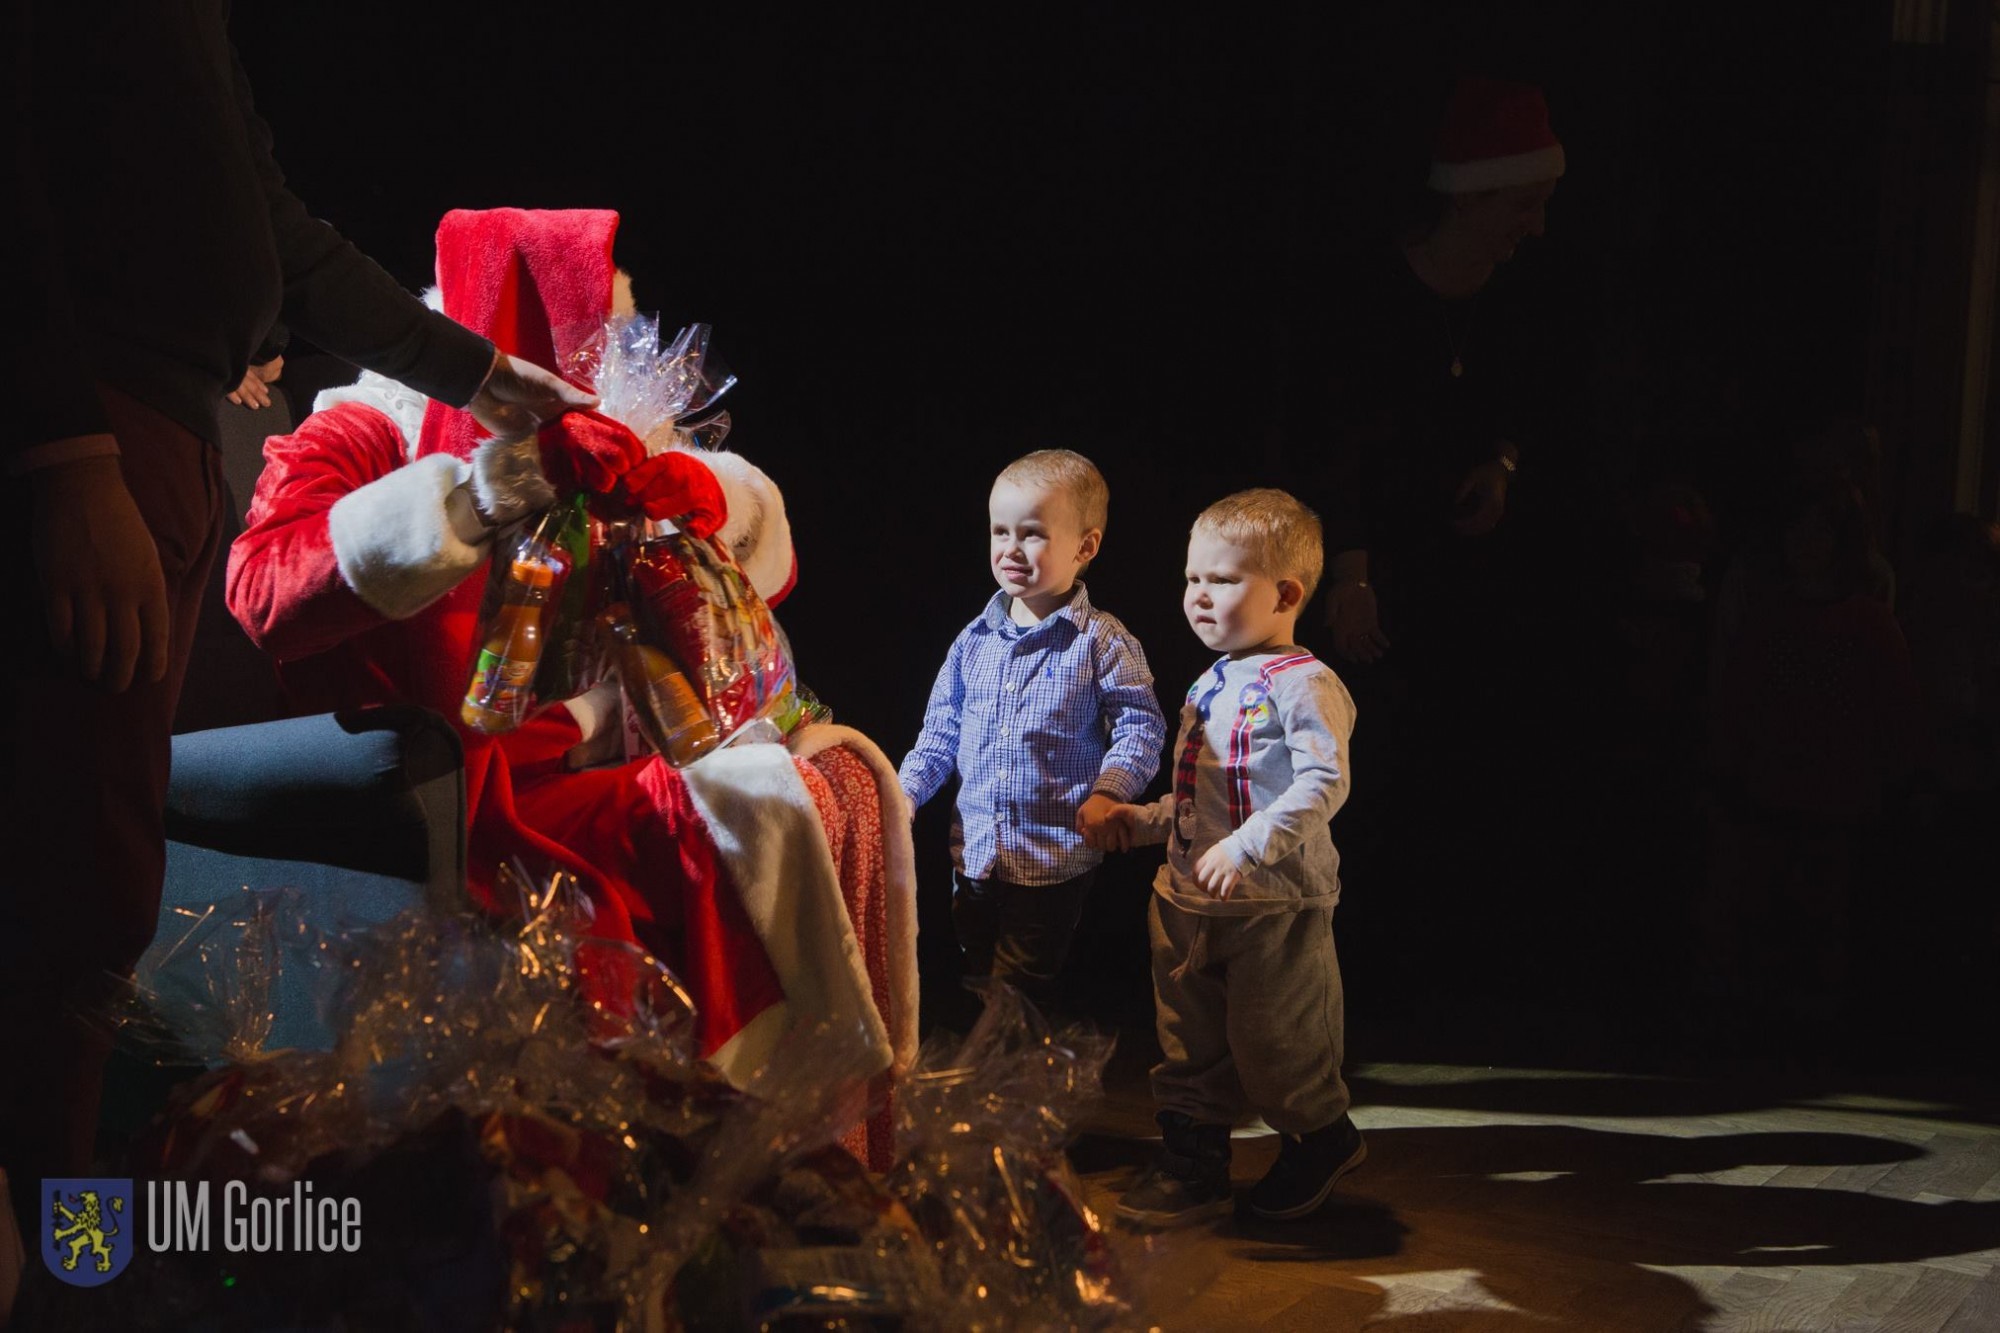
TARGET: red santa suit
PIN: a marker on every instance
(748, 872)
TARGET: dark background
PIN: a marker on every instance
(931, 240)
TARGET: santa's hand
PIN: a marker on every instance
(508, 482)
(99, 573)
(519, 396)
(598, 714)
(1216, 872)
(677, 485)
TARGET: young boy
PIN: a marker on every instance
(1244, 972)
(1045, 710)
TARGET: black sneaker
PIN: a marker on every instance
(1189, 1182)
(1307, 1169)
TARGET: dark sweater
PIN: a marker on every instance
(1382, 431)
(153, 238)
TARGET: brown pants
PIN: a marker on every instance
(1250, 1012)
(85, 787)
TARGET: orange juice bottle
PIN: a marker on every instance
(502, 679)
(669, 712)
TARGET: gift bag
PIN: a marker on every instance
(698, 654)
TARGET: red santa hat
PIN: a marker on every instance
(534, 280)
(1495, 134)
(538, 282)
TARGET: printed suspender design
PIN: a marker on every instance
(1249, 706)
(1190, 757)
(1236, 762)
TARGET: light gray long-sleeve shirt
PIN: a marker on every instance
(1261, 765)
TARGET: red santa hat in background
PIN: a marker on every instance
(1495, 135)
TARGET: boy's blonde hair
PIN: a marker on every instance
(1069, 472)
(1280, 535)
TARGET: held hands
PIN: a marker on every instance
(1352, 615)
(1109, 826)
(98, 572)
(1217, 874)
(1106, 825)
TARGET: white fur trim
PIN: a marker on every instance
(768, 836)
(1497, 173)
(595, 709)
(899, 875)
(754, 1045)
(396, 401)
(757, 532)
(393, 537)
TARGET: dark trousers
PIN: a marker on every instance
(85, 787)
(1017, 933)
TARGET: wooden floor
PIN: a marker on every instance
(1500, 1200)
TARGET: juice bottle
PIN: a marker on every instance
(669, 712)
(502, 679)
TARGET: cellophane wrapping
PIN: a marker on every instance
(692, 601)
(520, 1110)
(669, 614)
(656, 388)
(534, 1152)
(982, 1123)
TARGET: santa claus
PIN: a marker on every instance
(776, 880)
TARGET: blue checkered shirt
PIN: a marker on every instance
(1034, 720)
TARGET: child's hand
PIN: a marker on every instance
(1105, 824)
(1217, 873)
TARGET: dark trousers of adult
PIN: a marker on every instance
(86, 783)
(1018, 933)
(1444, 722)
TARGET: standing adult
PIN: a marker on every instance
(1412, 416)
(153, 242)
(1427, 383)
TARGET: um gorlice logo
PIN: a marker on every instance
(92, 1227)
(84, 1240)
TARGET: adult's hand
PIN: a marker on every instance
(255, 392)
(519, 395)
(98, 573)
(1482, 499)
(1352, 615)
